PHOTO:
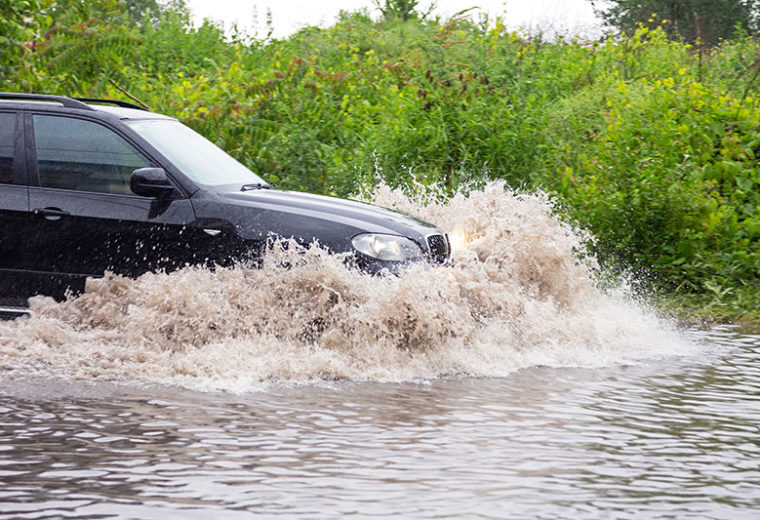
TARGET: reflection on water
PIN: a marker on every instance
(674, 438)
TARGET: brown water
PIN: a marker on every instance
(674, 438)
(504, 385)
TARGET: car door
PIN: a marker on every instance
(14, 216)
(86, 218)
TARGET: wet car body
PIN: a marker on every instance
(88, 186)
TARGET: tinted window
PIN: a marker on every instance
(7, 126)
(81, 155)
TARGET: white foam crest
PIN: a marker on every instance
(516, 295)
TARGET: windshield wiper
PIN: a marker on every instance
(256, 186)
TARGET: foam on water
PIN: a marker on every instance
(516, 295)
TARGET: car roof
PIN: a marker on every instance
(119, 109)
(128, 113)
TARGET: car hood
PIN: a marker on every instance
(308, 217)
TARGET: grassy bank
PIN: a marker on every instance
(649, 143)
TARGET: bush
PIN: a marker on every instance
(650, 145)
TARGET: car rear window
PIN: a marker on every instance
(7, 127)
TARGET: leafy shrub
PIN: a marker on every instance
(646, 142)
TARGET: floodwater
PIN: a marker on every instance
(675, 438)
(507, 385)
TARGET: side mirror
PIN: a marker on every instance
(151, 182)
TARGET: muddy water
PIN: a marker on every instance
(674, 438)
(507, 385)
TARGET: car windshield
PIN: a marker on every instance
(193, 154)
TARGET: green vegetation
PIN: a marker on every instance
(702, 22)
(648, 144)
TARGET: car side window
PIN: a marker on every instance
(76, 154)
(7, 130)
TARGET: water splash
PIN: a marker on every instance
(516, 295)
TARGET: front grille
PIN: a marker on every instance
(439, 248)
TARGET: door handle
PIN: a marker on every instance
(51, 213)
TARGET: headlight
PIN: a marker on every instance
(386, 247)
(459, 239)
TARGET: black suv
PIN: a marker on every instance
(93, 185)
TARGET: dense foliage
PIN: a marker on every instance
(695, 21)
(651, 146)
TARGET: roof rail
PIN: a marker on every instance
(63, 100)
(122, 104)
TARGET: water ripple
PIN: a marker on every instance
(671, 438)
